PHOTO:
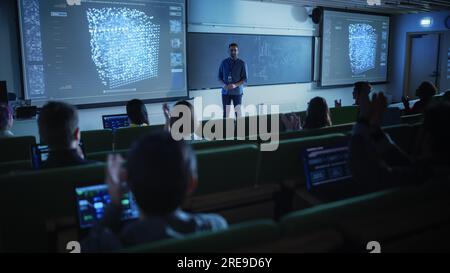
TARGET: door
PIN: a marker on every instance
(424, 65)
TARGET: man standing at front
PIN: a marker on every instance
(233, 76)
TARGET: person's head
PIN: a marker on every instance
(181, 108)
(233, 49)
(437, 127)
(6, 117)
(58, 126)
(161, 173)
(360, 88)
(137, 112)
(318, 114)
(426, 91)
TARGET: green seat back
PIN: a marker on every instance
(379, 216)
(238, 237)
(31, 201)
(402, 135)
(97, 141)
(125, 137)
(343, 115)
(226, 169)
(285, 162)
(337, 129)
(16, 148)
(412, 119)
(206, 144)
(15, 166)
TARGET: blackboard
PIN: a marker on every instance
(270, 59)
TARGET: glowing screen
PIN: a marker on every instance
(88, 51)
(354, 48)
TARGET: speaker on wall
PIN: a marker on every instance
(3, 92)
(316, 15)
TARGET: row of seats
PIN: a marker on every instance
(34, 193)
(17, 149)
(399, 219)
(15, 154)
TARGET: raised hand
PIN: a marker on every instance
(115, 177)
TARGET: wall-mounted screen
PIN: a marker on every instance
(90, 52)
(355, 47)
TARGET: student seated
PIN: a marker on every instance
(376, 161)
(290, 122)
(425, 93)
(358, 89)
(6, 121)
(175, 118)
(161, 173)
(58, 128)
(137, 113)
(317, 115)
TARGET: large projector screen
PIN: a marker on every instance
(108, 51)
(355, 47)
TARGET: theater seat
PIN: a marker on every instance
(97, 141)
(285, 163)
(16, 148)
(386, 217)
(403, 135)
(125, 137)
(327, 215)
(34, 203)
(15, 166)
(207, 144)
(103, 156)
(343, 115)
(412, 119)
(226, 169)
(237, 238)
(337, 129)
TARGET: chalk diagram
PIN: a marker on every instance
(362, 47)
(124, 45)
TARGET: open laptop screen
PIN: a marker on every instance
(39, 155)
(92, 202)
(326, 165)
(115, 121)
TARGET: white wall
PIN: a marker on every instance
(237, 16)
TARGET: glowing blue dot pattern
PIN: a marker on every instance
(31, 27)
(362, 47)
(124, 45)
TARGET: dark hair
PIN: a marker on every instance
(233, 45)
(5, 113)
(191, 109)
(137, 112)
(318, 114)
(436, 123)
(57, 124)
(159, 170)
(426, 91)
(361, 86)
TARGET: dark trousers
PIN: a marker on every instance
(227, 100)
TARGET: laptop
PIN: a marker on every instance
(326, 168)
(92, 201)
(115, 121)
(39, 155)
